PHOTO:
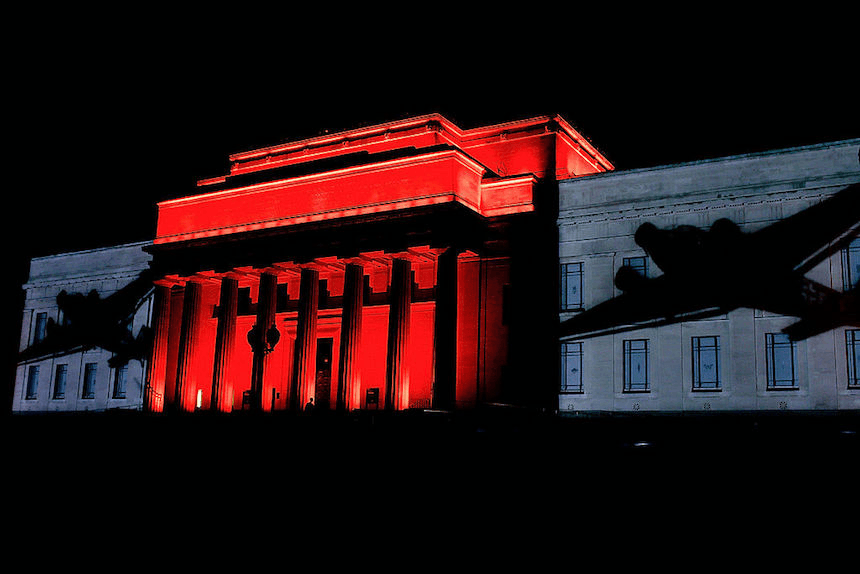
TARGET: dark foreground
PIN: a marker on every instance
(504, 487)
(425, 439)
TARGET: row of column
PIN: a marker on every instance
(263, 337)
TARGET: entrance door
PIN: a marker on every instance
(322, 394)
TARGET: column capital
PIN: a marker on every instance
(234, 275)
(168, 281)
(204, 277)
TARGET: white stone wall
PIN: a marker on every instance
(598, 217)
(105, 270)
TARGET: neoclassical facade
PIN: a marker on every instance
(84, 332)
(404, 265)
(680, 290)
(418, 265)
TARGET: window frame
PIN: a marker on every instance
(120, 374)
(564, 275)
(852, 343)
(696, 350)
(40, 327)
(31, 384)
(643, 270)
(628, 354)
(852, 250)
(570, 349)
(770, 362)
(85, 386)
(59, 392)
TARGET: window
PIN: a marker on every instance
(852, 342)
(128, 322)
(571, 286)
(60, 381)
(636, 365)
(119, 380)
(706, 363)
(638, 264)
(282, 297)
(41, 325)
(781, 361)
(243, 304)
(571, 367)
(32, 391)
(89, 390)
(851, 265)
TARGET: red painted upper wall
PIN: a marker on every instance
(512, 148)
(491, 170)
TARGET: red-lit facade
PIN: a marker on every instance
(406, 265)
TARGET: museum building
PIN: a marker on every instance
(399, 266)
(84, 331)
(418, 265)
(728, 284)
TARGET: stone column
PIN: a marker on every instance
(157, 368)
(396, 374)
(225, 336)
(186, 385)
(445, 388)
(303, 384)
(258, 338)
(350, 339)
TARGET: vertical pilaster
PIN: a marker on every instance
(157, 368)
(348, 381)
(397, 374)
(258, 338)
(222, 384)
(444, 390)
(303, 385)
(186, 385)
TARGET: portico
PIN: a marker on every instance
(369, 269)
(321, 330)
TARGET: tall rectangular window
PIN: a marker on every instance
(571, 286)
(89, 390)
(706, 363)
(119, 381)
(638, 264)
(780, 356)
(40, 327)
(851, 265)
(636, 365)
(571, 367)
(243, 305)
(852, 343)
(32, 390)
(60, 381)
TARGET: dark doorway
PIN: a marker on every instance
(322, 394)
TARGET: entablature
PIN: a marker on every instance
(424, 161)
(368, 240)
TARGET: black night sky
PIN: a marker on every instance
(112, 113)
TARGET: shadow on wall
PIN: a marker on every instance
(709, 273)
(90, 321)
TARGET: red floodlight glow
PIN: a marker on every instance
(491, 170)
(201, 358)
